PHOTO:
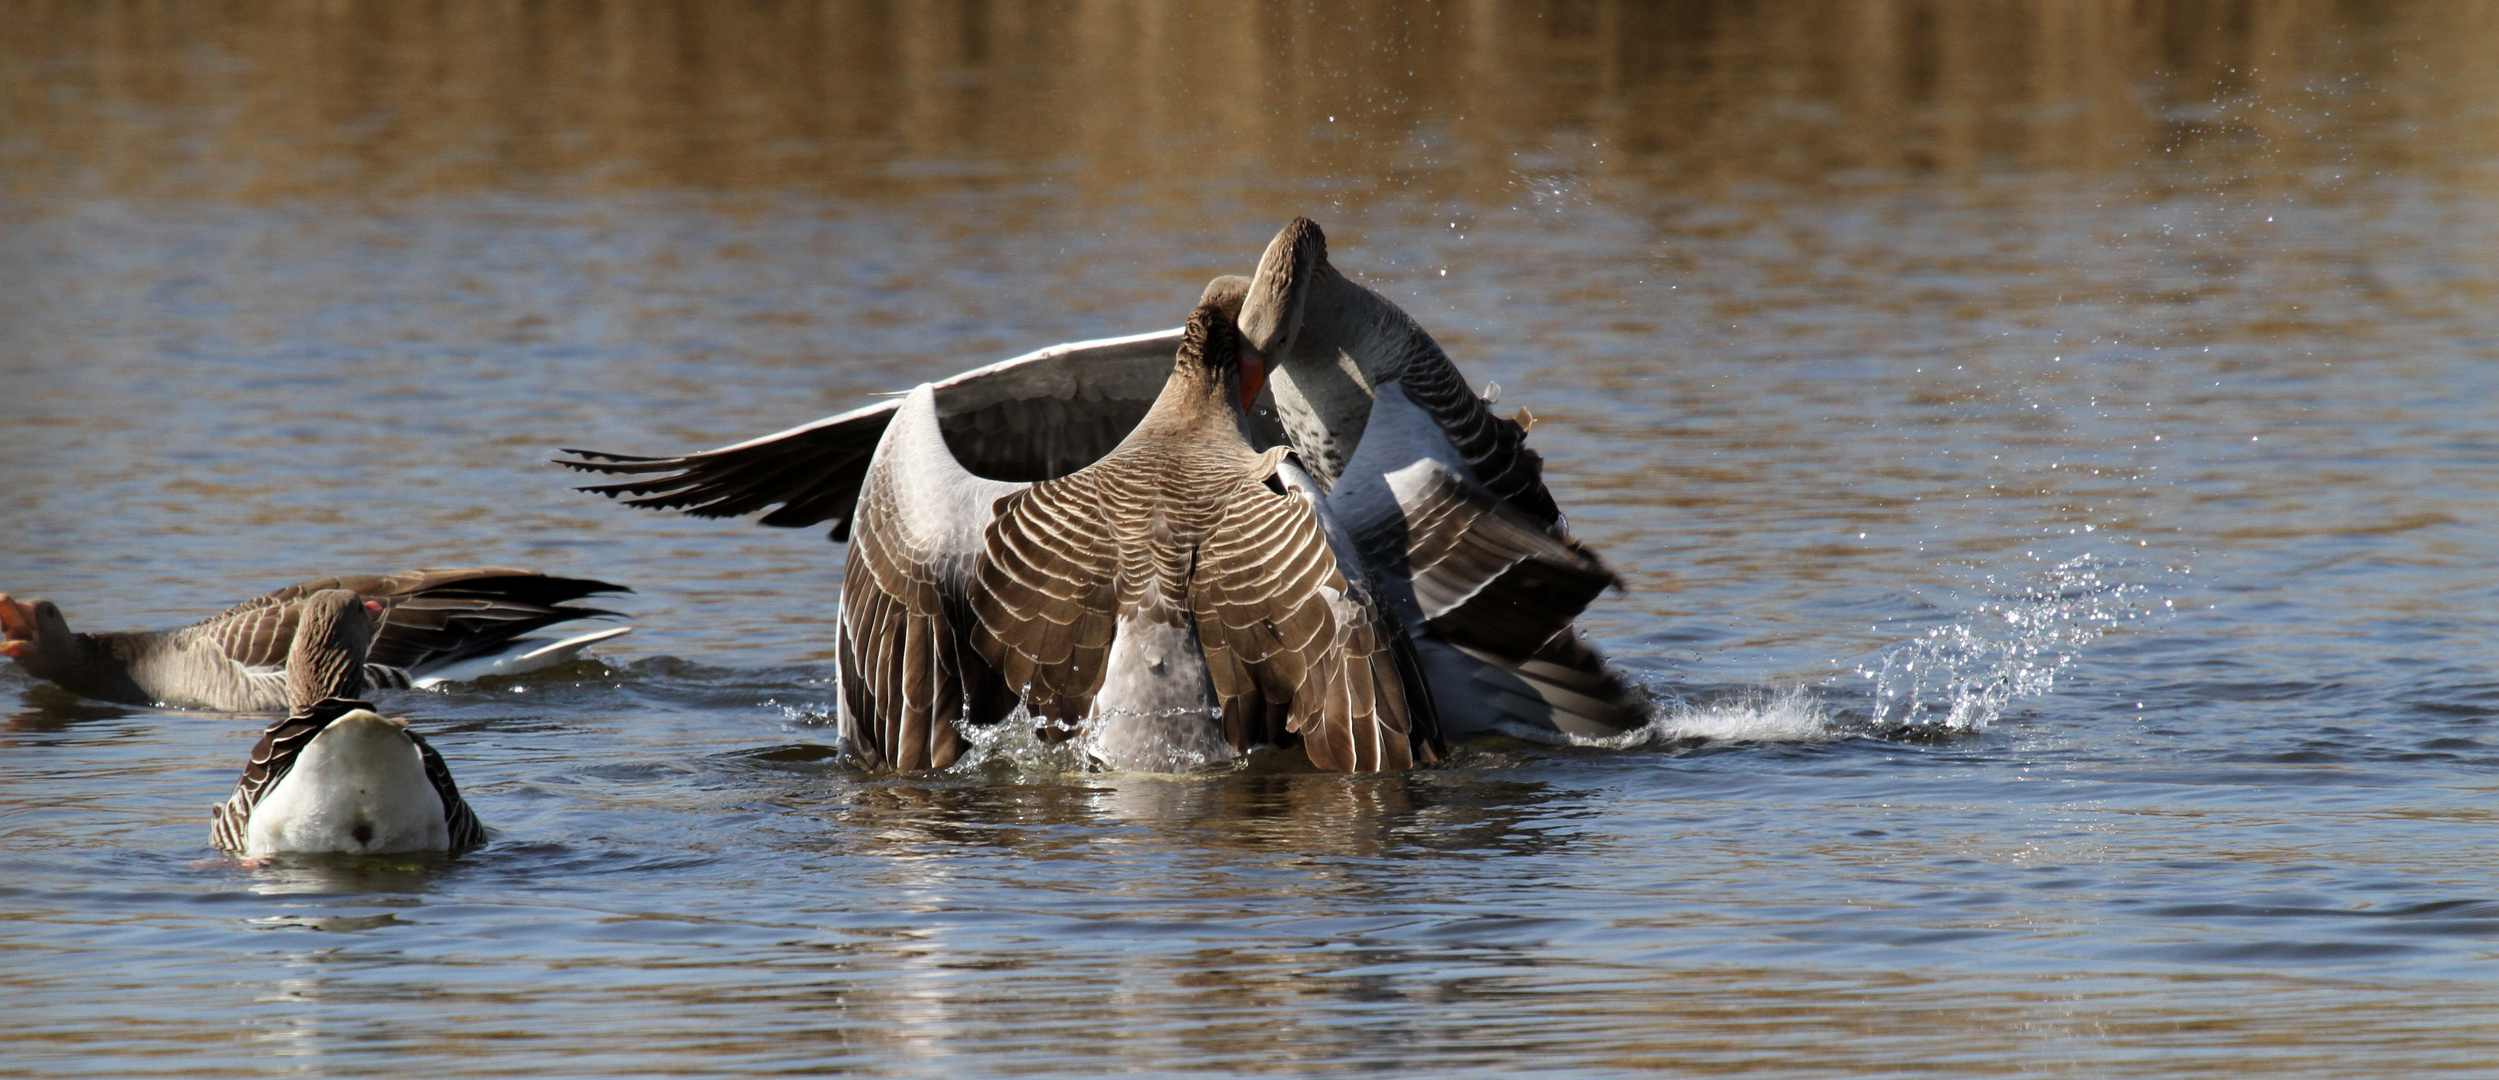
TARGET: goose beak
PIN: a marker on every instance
(1253, 375)
(17, 627)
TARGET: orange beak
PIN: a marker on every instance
(1253, 376)
(17, 627)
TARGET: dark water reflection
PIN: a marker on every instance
(2090, 407)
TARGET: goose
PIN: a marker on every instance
(1387, 425)
(1330, 345)
(1177, 602)
(333, 776)
(439, 625)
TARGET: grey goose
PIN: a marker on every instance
(1328, 344)
(1178, 601)
(333, 776)
(1386, 421)
(441, 624)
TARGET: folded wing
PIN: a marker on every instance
(436, 617)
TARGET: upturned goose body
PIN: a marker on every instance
(437, 625)
(334, 776)
(1178, 601)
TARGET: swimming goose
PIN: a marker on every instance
(1178, 601)
(439, 625)
(334, 776)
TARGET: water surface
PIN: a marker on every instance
(2049, 449)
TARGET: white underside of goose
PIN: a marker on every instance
(519, 657)
(1157, 710)
(358, 788)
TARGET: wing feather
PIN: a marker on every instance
(1281, 623)
(1040, 415)
(1047, 597)
(910, 677)
(1485, 574)
(466, 831)
(272, 758)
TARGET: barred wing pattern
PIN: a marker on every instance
(272, 758)
(1048, 595)
(909, 673)
(1285, 631)
(1484, 574)
(466, 831)
(1295, 651)
(1045, 414)
(1495, 449)
(437, 615)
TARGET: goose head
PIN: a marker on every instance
(1270, 315)
(33, 633)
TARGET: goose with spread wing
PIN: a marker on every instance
(334, 776)
(438, 625)
(1332, 345)
(1178, 601)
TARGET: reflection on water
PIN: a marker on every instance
(2107, 383)
(868, 97)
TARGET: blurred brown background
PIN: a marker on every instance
(250, 100)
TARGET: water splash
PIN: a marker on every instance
(1960, 676)
(1791, 715)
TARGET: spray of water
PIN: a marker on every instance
(1959, 676)
(1791, 715)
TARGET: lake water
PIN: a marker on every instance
(2053, 452)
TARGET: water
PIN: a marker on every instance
(2049, 452)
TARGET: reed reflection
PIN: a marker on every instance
(234, 100)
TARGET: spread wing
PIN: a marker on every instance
(272, 758)
(1047, 597)
(1485, 574)
(1290, 634)
(1495, 449)
(1034, 417)
(909, 674)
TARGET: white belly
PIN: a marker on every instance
(1156, 711)
(359, 788)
